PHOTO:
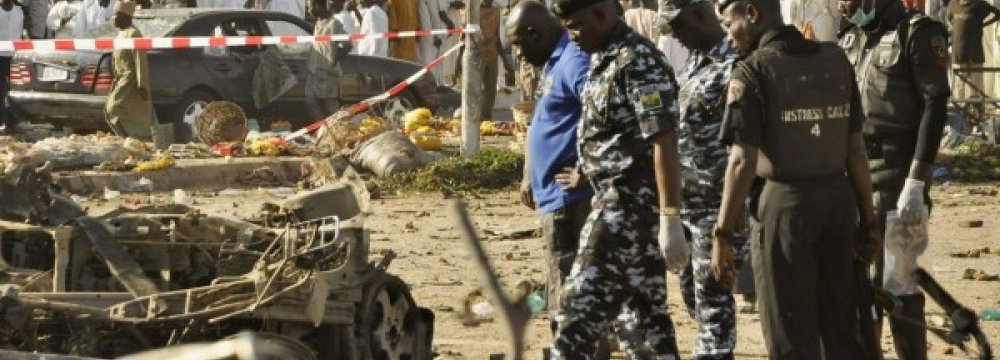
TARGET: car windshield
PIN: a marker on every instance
(149, 27)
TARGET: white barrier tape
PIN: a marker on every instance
(366, 104)
(188, 42)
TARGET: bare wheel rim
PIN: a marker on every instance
(394, 109)
(392, 336)
(193, 110)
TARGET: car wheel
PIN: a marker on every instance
(395, 108)
(191, 104)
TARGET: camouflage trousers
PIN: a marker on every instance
(710, 304)
(618, 273)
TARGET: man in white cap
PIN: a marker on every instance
(129, 107)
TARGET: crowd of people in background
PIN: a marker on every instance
(816, 19)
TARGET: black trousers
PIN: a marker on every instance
(6, 117)
(803, 256)
(889, 160)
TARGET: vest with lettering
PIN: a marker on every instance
(807, 113)
(891, 100)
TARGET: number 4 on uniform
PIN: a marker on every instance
(815, 130)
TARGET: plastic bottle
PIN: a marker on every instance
(536, 302)
(991, 314)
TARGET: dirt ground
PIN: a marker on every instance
(435, 262)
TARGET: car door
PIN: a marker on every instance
(232, 68)
(294, 56)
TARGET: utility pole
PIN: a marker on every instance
(472, 82)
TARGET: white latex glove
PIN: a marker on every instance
(672, 242)
(911, 201)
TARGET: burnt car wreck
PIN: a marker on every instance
(131, 280)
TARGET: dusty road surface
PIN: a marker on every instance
(434, 261)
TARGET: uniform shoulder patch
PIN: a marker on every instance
(735, 93)
(940, 47)
(649, 98)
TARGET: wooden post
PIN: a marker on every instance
(472, 83)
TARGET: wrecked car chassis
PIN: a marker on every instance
(137, 279)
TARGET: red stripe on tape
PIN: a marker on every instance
(180, 43)
(423, 33)
(392, 35)
(217, 41)
(65, 44)
(356, 37)
(104, 44)
(361, 107)
(324, 38)
(434, 63)
(395, 90)
(144, 43)
(23, 45)
(288, 39)
(255, 40)
(455, 31)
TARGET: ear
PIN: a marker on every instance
(753, 14)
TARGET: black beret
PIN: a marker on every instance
(564, 8)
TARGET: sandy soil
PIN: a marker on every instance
(435, 262)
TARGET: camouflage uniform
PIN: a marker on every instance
(628, 100)
(703, 162)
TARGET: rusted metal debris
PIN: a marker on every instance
(137, 279)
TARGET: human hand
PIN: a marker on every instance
(868, 243)
(911, 202)
(723, 264)
(527, 199)
(673, 244)
(570, 178)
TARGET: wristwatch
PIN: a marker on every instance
(670, 211)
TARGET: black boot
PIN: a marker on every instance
(910, 339)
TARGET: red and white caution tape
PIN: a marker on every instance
(206, 41)
(366, 104)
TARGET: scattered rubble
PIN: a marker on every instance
(979, 275)
(974, 253)
(971, 223)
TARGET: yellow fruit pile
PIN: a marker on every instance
(420, 125)
(373, 126)
(162, 162)
(487, 128)
(266, 147)
(417, 119)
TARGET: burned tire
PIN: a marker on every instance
(390, 325)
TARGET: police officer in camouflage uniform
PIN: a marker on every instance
(901, 63)
(695, 25)
(793, 117)
(627, 142)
